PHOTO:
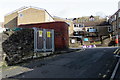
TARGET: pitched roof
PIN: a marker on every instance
(25, 8)
(115, 13)
(31, 7)
(91, 23)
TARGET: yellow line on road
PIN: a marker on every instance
(116, 51)
(11, 68)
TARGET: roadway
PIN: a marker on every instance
(88, 63)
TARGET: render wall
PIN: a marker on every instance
(11, 20)
(31, 15)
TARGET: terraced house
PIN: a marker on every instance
(94, 28)
(115, 26)
(27, 15)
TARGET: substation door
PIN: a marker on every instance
(43, 40)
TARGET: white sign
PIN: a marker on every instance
(40, 33)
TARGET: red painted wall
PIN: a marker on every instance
(61, 32)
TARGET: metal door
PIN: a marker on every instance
(43, 39)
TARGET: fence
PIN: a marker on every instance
(43, 40)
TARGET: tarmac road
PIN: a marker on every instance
(90, 63)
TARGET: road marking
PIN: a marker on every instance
(115, 70)
(116, 51)
(10, 68)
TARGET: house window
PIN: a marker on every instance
(20, 15)
(75, 25)
(79, 25)
(115, 17)
(119, 25)
(109, 29)
(79, 20)
(91, 18)
(113, 27)
(119, 14)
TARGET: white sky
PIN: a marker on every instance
(63, 8)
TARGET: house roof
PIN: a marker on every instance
(115, 13)
(103, 23)
(31, 7)
(25, 8)
(91, 23)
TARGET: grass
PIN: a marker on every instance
(98, 42)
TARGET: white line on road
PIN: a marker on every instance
(115, 70)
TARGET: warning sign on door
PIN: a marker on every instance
(40, 33)
(48, 34)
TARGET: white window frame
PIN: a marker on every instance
(118, 14)
(119, 25)
(115, 17)
(109, 29)
(75, 25)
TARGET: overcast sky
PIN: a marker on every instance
(63, 8)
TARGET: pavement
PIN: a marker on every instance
(89, 63)
(0, 49)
